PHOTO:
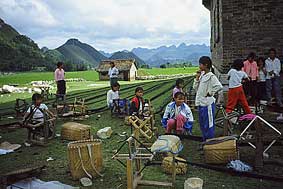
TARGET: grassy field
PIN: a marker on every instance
(167, 71)
(27, 77)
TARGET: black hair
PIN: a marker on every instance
(251, 55)
(179, 94)
(205, 60)
(238, 64)
(272, 49)
(179, 81)
(138, 89)
(35, 97)
(59, 64)
(262, 59)
(116, 84)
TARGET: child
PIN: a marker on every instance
(177, 115)
(251, 69)
(137, 103)
(261, 85)
(60, 80)
(206, 85)
(273, 68)
(236, 93)
(36, 109)
(113, 94)
(179, 86)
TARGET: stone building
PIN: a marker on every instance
(242, 26)
(127, 69)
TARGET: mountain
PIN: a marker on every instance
(172, 54)
(106, 54)
(18, 52)
(80, 53)
(127, 55)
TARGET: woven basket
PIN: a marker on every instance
(75, 131)
(85, 158)
(181, 168)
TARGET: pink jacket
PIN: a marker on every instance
(251, 69)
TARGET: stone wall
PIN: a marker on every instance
(241, 26)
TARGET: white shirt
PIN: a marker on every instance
(207, 83)
(113, 72)
(111, 95)
(274, 65)
(177, 110)
(261, 76)
(38, 115)
(236, 77)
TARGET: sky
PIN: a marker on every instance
(109, 25)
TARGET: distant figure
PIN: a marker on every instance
(251, 69)
(179, 86)
(60, 80)
(113, 73)
(206, 85)
(273, 68)
(261, 82)
(137, 103)
(113, 94)
(178, 115)
(236, 93)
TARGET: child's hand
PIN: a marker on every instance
(198, 75)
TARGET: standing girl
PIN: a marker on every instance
(236, 93)
(179, 86)
(251, 69)
(261, 84)
(60, 80)
(206, 85)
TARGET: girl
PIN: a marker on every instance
(137, 103)
(36, 109)
(60, 80)
(261, 85)
(206, 85)
(177, 115)
(251, 69)
(236, 93)
(179, 86)
(113, 94)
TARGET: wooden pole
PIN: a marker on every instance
(259, 145)
(129, 174)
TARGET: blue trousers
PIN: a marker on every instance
(274, 83)
(206, 121)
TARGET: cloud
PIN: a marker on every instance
(109, 25)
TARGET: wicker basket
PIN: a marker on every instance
(221, 152)
(85, 158)
(181, 168)
(75, 131)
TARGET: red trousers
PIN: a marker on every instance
(235, 96)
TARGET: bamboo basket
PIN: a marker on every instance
(75, 131)
(221, 152)
(85, 158)
(181, 168)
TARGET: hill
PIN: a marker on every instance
(18, 52)
(172, 54)
(80, 53)
(127, 55)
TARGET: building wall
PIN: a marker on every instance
(133, 73)
(104, 75)
(244, 26)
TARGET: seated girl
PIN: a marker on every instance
(178, 115)
(113, 94)
(137, 103)
(36, 109)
